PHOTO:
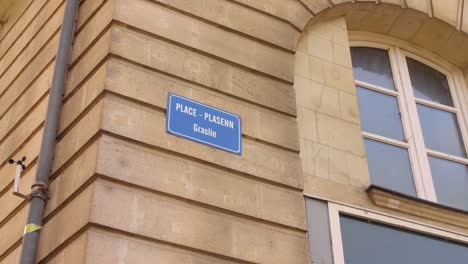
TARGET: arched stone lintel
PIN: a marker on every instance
(409, 24)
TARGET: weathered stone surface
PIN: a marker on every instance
(167, 173)
(289, 10)
(11, 15)
(185, 224)
(203, 70)
(124, 249)
(447, 10)
(18, 26)
(241, 18)
(35, 35)
(75, 252)
(205, 37)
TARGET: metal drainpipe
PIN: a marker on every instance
(39, 190)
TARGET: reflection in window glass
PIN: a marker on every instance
(428, 83)
(441, 131)
(380, 114)
(450, 182)
(372, 65)
(370, 243)
(389, 167)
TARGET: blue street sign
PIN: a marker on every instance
(203, 124)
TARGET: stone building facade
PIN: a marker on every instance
(122, 190)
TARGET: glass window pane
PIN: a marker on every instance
(441, 131)
(380, 114)
(372, 65)
(428, 83)
(450, 182)
(370, 243)
(389, 167)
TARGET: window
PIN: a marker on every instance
(413, 124)
(343, 234)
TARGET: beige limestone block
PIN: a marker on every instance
(196, 181)
(43, 81)
(446, 10)
(340, 134)
(94, 26)
(329, 102)
(206, 37)
(11, 16)
(35, 35)
(336, 2)
(20, 107)
(357, 14)
(19, 25)
(454, 48)
(380, 19)
(349, 109)
(332, 29)
(289, 10)
(18, 75)
(339, 77)
(419, 5)
(321, 48)
(308, 93)
(23, 131)
(316, 70)
(395, 2)
(163, 218)
(75, 252)
(317, 6)
(144, 124)
(302, 43)
(464, 24)
(307, 124)
(408, 24)
(85, 96)
(95, 55)
(10, 97)
(307, 156)
(84, 129)
(13, 257)
(301, 66)
(49, 49)
(321, 159)
(280, 204)
(358, 171)
(342, 55)
(278, 129)
(241, 18)
(108, 247)
(227, 78)
(338, 166)
(433, 35)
